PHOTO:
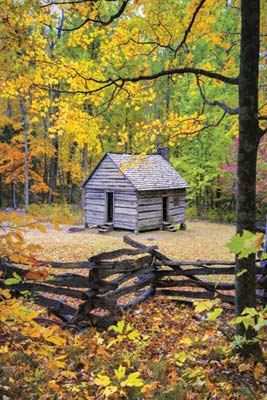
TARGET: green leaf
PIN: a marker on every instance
(240, 273)
(117, 328)
(260, 323)
(16, 276)
(237, 320)
(245, 244)
(133, 380)
(180, 358)
(215, 314)
(250, 311)
(204, 306)
(129, 327)
(248, 321)
(12, 281)
(133, 335)
(120, 372)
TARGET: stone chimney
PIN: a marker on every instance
(164, 152)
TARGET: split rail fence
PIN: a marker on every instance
(112, 281)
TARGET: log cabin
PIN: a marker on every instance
(134, 192)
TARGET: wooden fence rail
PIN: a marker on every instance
(96, 291)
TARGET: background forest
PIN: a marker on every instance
(62, 105)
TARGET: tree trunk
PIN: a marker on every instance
(14, 197)
(85, 171)
(26, 151)
(247, 158)
(53, 170)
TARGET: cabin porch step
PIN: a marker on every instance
(167, 226)
(105, 228)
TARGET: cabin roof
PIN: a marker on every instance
(150, 172)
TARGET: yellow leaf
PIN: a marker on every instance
(54, 364)
(5, 293)
(102, 380)
(4, 349)
(255, 242)
(259, 372)
(186, 341)
(109, 390)
(40, 227)
(244, 367)
(57, 340)
(68, 374)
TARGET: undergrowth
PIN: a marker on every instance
(64, 213)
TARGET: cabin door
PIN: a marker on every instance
(165, 214)
(110, 206)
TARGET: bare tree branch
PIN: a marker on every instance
(203, 128)
(59, 3)
(190, 25)
(215, 103)
(182, 71)
(100, 21)
(153, 43)
(103, 84)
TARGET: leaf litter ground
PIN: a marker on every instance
(161, 350)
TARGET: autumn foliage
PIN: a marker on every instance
(70, 91)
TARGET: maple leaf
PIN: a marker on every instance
(246, 244)
(120, 372)
(41, 273)
(102, 380)
(133, 380)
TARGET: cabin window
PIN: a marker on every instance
(176, 201)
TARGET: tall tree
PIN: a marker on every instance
(249, 135)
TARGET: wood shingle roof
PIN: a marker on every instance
(151, 172)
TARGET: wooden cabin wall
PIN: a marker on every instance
(108, 177)
(177, 211)
(125, 210)
(150, 210)
(94, 206)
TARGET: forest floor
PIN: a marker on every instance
(201, 240)
(160, 350)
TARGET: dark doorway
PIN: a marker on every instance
(110, 202)
(165, 208)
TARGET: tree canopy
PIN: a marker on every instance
(83, 77)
